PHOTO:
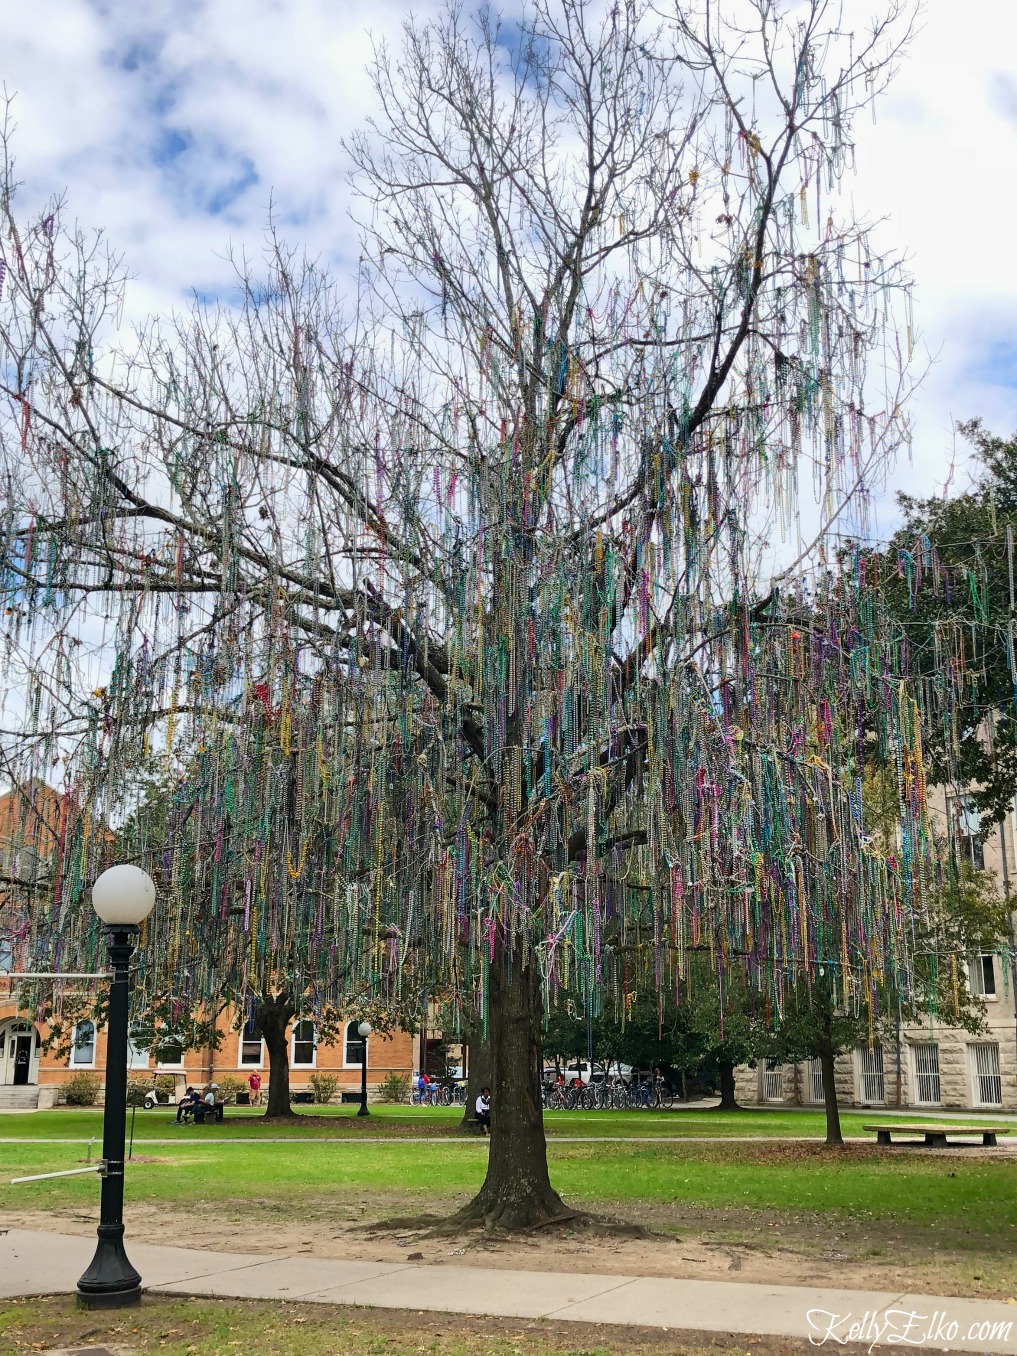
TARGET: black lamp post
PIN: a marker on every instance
(365, 1030)
(122, 897)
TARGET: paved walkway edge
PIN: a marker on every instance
(36, 1263)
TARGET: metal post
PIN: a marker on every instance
(110, 1281)
(363, 1082)
(1010, 920)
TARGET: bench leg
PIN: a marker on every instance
(989, 1140)
(882, 1137)
(935, 1141)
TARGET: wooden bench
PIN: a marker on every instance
(935, 1135)
(204, 1112)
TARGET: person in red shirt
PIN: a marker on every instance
(254, 1083)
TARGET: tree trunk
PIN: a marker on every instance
(479, 1074)
(833, 1133)
(272, 1019)
(728, 1101)
(517, 1191)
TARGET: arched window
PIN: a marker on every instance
(353, 1051)
(303, 1044)
(83, 1044)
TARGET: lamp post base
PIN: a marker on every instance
(109, 1282)
(116, 1299)
(363, 1110)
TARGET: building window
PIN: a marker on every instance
(988, 1083)
(967, 831)
(926, 1064)
(303, 1044)
(353, 1046)
(871, 1082)
(815, 1074)
(26, 865)
(6, 956)
(251, 1055)
(136, 1057)
(170, 1052)
(981, 976)
(773, 1081)
(83, 1045)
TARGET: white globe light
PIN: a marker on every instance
(123, 895)
(365, 1029)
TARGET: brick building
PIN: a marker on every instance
(30, 1076)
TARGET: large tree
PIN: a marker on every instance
(457, 596)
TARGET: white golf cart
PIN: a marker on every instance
(153, 1097)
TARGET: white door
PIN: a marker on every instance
(988, 1083)
(871, 1080)
(773, 1081)
(816, 1091)
(925, 1055)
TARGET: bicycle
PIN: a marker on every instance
(663, 1096)
(641, 1097)
(556, 1098)
(591, 1098)
(430, 1096)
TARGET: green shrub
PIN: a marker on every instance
(229, 1086)
(325, 1086)
(82, 1089)
(395, 1088)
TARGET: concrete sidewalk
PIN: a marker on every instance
(44, 1263)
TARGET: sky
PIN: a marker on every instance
(175, 127)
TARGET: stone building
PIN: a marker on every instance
(31, 1076)
(932, 1066)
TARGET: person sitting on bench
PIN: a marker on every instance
(187, 1103)
(212, 1106)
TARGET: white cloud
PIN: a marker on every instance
(172, 126)
(939, 163)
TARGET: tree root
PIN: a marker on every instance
(468, 1221)
(400, 1224)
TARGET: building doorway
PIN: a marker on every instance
(22, 1060)
(19, 1054)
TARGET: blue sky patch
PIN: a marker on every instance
(996, 365)
(223, 197)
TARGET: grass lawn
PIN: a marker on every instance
(83, 1124)
(972, 1198)
(199, 1327)
(936, 1222)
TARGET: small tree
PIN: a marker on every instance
(830, 1016)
